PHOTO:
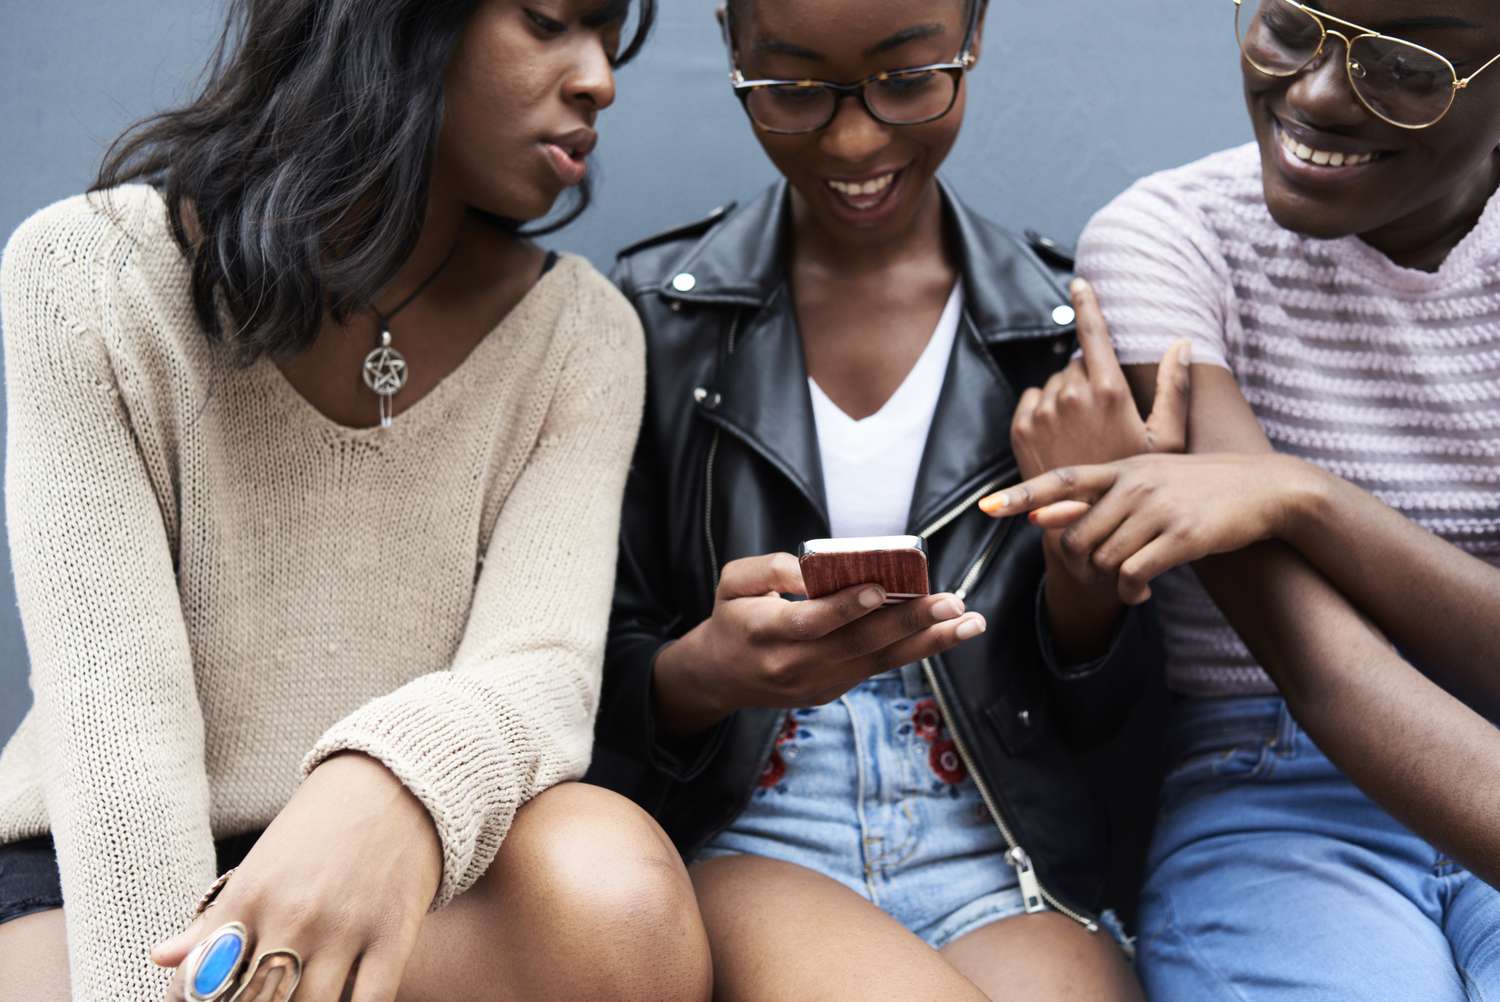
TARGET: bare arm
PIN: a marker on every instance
(1421, 753)
(1406, 579)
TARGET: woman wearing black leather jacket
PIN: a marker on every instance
(844, 353)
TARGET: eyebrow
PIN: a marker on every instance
(1420, 23)
(917, 32)
(1429, 22)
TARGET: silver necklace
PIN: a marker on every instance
(385, 371)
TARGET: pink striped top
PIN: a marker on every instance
(1386, 376)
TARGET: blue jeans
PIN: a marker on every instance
(1271, 877)
(870, 790)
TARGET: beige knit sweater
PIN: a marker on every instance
(220, 587)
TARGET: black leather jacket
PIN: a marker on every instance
(728, 467)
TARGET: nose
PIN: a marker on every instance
(854, 136)
(591, 81)
(1321, 94)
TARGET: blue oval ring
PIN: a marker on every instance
(216, 961)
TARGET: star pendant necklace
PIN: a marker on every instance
(385, 369)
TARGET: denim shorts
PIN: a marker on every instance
(29, 881)
(870, 791)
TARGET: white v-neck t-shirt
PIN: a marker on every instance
(870, 466)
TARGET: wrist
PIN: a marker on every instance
(683, 692)
(1307, 500)
(1080, 615)
(1063, 590)
(369, 795)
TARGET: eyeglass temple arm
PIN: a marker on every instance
(1469, 79)
(726, 20)
(964, 53)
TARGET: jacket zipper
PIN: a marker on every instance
(708, 510)
(708, 476)
(1037, 897)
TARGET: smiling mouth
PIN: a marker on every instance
(1298, 150)
(1326, 158)
(862, 196)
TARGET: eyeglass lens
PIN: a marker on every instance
(906, 98)
(1398, 81)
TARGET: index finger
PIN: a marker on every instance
(1066, 483)
(1093, 335)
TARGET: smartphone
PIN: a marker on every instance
(896, 563)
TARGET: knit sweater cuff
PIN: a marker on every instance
(431, 735)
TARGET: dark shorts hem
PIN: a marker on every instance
(30, 883)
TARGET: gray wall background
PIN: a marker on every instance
(1072, 101)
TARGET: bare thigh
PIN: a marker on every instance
(779, 931)
(587, 899)
(34, 958)
(1045, 957)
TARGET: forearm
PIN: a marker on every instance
(1399, 737)
(684, 705)
(1404, 578)
(1423, 755)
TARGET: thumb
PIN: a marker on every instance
(1166, 428)
(749, 577)
(172, 952)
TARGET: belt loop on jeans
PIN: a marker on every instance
(914, 680)
(1285, 742)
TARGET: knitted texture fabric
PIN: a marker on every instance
(1386, 376)
(220, 587)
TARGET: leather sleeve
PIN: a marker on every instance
(644, 619)
(1094, 698)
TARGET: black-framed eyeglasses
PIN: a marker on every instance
(912, 96)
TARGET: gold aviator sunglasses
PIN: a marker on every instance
(1402, 83)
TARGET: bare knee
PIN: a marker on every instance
(597, 870)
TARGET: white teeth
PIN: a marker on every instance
(1323, 158)
(859, 189)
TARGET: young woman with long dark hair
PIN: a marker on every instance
(314, 460)
(876, 803)
(1340, 281)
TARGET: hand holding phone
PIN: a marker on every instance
(757, 649)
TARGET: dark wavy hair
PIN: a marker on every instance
(306, 160)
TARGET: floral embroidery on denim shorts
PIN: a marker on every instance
(871, 791)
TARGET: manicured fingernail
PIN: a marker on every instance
(1077, 287)
(970, 628)
(871, 597)
(948, 608)
(994, 503)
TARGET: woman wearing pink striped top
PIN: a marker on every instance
(1340, 283)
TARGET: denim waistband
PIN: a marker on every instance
(1202, 725)
(910, 677)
